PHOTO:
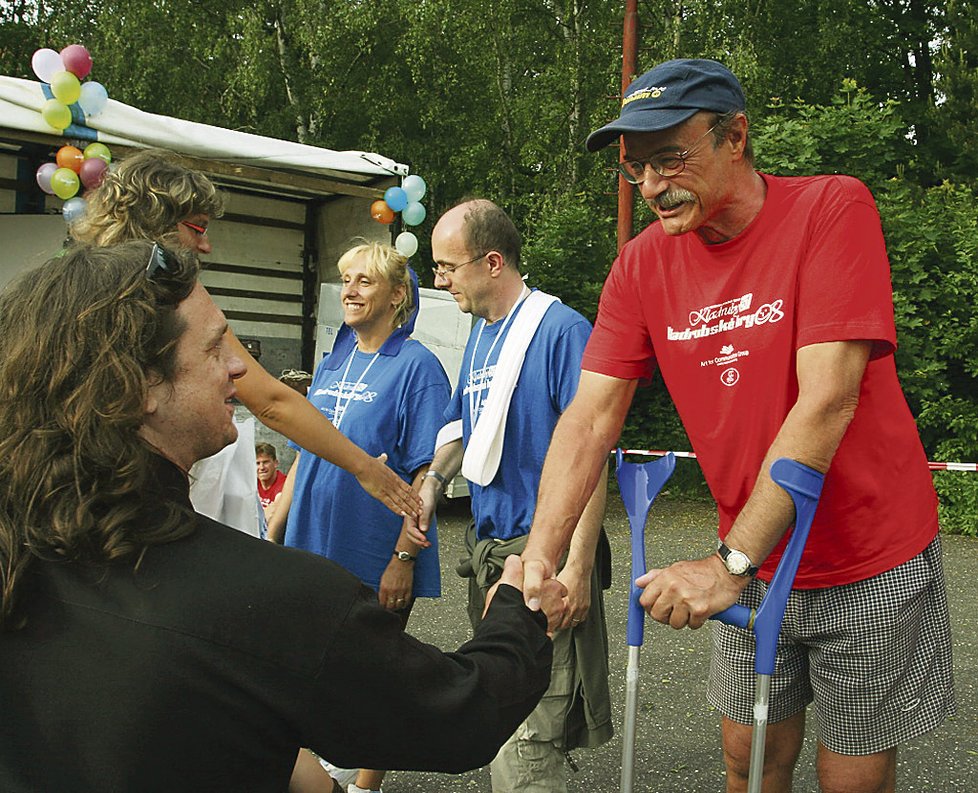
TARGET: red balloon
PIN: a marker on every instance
(382, 213)
(77, 60)
(92, 172)
(70, 157)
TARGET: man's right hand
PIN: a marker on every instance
(550, 595)
(417, 528)
(539, 583)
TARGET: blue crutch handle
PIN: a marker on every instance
(639, 484)
(804, 485)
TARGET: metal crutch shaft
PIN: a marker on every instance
(804, 485)
(639, 484)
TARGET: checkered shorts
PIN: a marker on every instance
(874, 656)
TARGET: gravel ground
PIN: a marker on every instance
(677, 748)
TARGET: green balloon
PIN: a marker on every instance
(99, 150)
(56, 114)
(64, 183)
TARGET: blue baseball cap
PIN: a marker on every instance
(670, 93)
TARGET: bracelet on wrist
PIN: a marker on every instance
(431, 474)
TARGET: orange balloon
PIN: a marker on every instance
(70, 157)
(382, 213)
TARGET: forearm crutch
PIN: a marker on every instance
(639, 484)
(804, 485)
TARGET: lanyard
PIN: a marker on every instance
(340, 410)
(477, 395)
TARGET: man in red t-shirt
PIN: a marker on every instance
(270, 479)
(765, 302)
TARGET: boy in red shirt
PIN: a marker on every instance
(270, 479)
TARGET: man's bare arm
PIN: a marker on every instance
(585, 434)
(576, 574)
(829, 378)
(447, 462)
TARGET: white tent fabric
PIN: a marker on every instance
(21, 102)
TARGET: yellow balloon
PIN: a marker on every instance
(65, 87)
(64, 183)
(56, 114)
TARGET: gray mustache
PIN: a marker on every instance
(673, 198)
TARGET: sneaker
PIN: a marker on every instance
(344, 776)
(354, 789)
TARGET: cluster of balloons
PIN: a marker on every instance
(405, 199)
(63, 72)
(73, 168)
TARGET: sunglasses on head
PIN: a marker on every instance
(160, 259)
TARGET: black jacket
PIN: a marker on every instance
(209, 666)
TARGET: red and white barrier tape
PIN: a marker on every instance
(933, 466)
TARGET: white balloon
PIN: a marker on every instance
(46, 63)
(415, 187)
(406, 244)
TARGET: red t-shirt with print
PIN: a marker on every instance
(723, 323)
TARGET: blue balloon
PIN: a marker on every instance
(93, 98)
(415, 187)
(74, 209)
(396, 198)
(414, 214)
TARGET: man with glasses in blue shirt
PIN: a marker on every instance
(766, 304)
(519, 371)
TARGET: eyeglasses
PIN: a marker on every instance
(445, 270)
(194, 227)
(159, 259)
(665, 164)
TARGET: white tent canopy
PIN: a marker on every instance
(120, 124)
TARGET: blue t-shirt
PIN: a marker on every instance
(547, 384)
(386, 403)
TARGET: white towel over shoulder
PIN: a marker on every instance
(485, 447)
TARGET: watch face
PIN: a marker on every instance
(737, 562)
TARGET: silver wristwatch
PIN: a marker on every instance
(737, 562)
(404, 556)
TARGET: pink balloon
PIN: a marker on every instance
(92, 172)
(44, 174)
(77, 60)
